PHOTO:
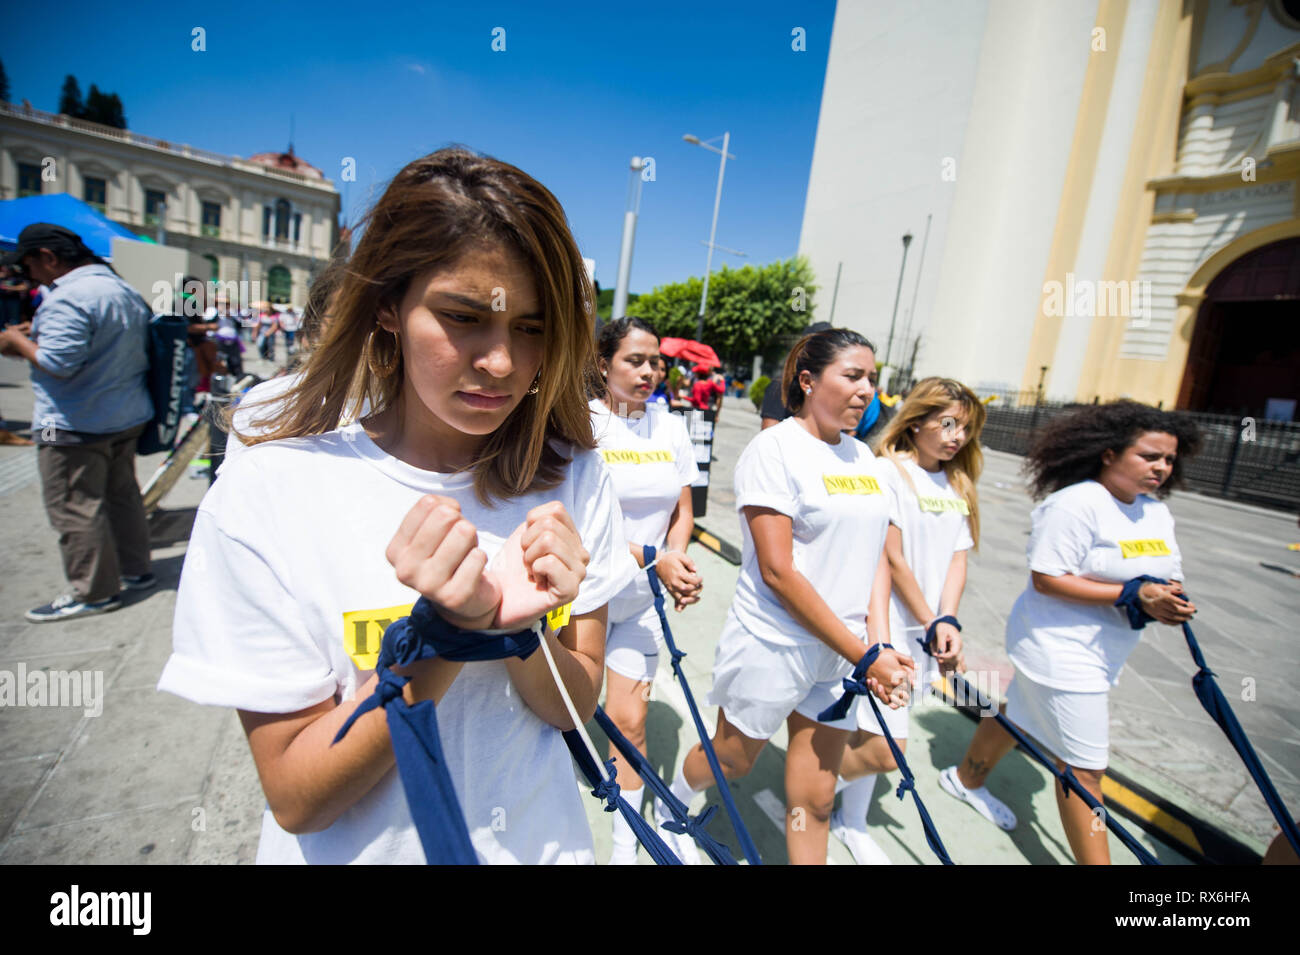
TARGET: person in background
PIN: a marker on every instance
(88, 355)
(1104, 470)
(267, 326)
(660, 394)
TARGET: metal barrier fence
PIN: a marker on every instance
(1246, 459)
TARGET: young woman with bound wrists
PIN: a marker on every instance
(474, 484)
(1104, 469)
(813, 590)
(652, 462)
(932, 454)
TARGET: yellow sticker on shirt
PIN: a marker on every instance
(363, 632)
(558, 618)
(941, 505)
(1155, 547)
(637, 457)
(850, 484)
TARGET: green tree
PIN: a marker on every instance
(70, 98)
(749, 310)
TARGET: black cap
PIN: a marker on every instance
(64, 243)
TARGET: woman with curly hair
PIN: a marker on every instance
(1104, 469)
(933, 445)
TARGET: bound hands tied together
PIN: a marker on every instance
(539, 567)
(680, 578)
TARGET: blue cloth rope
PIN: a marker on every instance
(1067, 779)
(746, 843)
(928, 642)
(608, 792)
(1216, 705)
(682, 821)
(856, 685)
(421, 764)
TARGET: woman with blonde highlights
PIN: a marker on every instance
(933, 445)
(463, 318)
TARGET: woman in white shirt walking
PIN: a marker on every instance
(474, 484)
(931, 447)
(813, 589)
(1104, 469)
(652, 462)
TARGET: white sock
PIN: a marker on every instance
(857, 800)
(681, 788)
(623, 834)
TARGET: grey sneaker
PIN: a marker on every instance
(138, 581)
(68, 606)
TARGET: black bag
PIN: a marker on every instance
(167, 379)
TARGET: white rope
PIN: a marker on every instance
(568, 703)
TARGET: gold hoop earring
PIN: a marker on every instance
(383, 369)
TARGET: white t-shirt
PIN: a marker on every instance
(935, 524)
(650, 458)
(1083, 530)
(837, 500)
(260, 406)
(283, 602)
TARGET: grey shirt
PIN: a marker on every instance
(91, 335)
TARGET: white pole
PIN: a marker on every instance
(619, 309)
(713, 233)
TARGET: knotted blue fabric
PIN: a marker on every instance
(856, 685)
(608, 792)
(421, 764)
(682, 821)
(928, 643)
(746, 843)
(1216, 705)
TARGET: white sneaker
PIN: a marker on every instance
(683, 846)
(858, 842)
(981, 800)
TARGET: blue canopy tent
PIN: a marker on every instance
(60, 209)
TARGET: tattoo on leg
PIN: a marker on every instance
(978, 767)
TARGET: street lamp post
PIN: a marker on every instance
(629, 240)
(889, 348)
(713, 230)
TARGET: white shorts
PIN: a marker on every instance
(927, 670)
(632, 645)
(1074, 727)
(758, 684)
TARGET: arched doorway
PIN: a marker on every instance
(1245, 348)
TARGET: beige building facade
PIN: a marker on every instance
(1112, 187)
(270, 221)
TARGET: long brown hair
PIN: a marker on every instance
(926, 397)
(435, 210)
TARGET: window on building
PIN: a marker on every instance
(282, 211)
(155, 202)
(95, 193)
(214, 268)
(29, 180)
(266, 222)
(297, 227)
(211, 219)
(279, 284)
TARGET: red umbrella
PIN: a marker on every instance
(690, 351)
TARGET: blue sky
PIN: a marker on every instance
(580, 89)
